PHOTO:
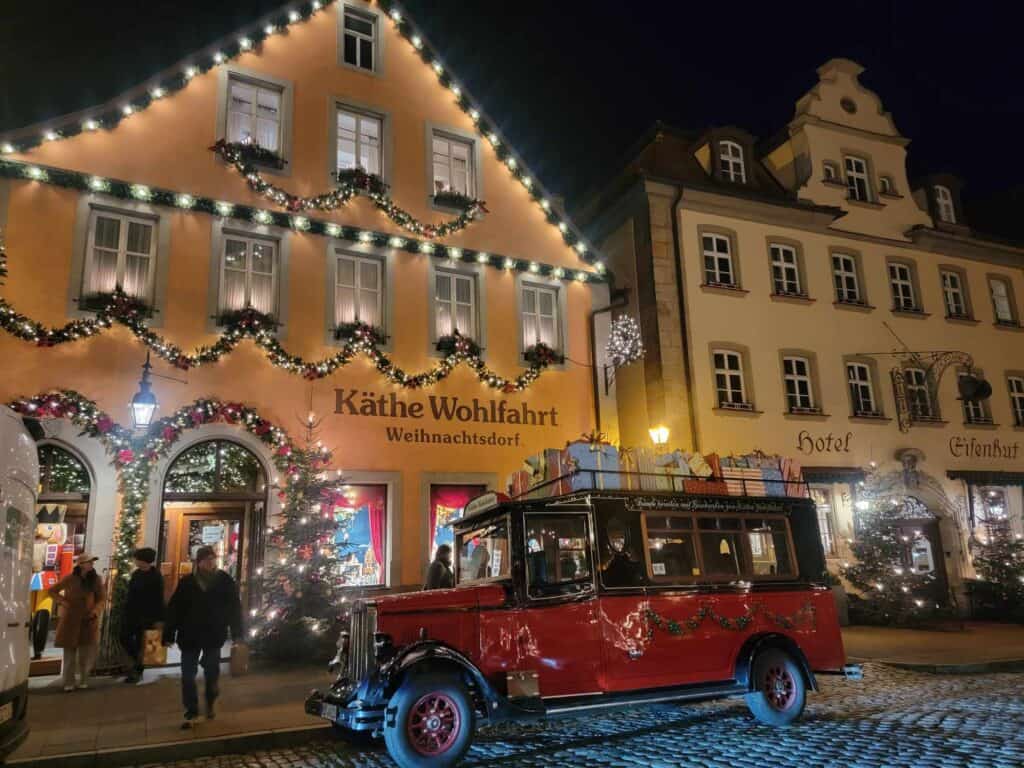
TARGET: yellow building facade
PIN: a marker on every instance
(807, 299)
(129, 196)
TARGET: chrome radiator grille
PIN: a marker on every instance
(361, 656)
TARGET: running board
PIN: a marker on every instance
(605, 701)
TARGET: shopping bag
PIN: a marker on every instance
(239, 659)
(154, 652)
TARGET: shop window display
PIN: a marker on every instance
(363, 541)
(446, 505)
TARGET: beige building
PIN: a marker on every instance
(794, 297)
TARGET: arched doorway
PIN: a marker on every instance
(62, 515)
(214, 494)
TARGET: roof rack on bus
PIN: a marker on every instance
(680, 483)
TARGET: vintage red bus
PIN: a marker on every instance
(587, 601)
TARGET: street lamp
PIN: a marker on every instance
(659, 435)
(144, 402)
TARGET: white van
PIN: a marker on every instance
(19, 482)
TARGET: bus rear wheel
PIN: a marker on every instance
(433, 722)
(779, 689)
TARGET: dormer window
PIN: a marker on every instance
(857, 179)
(944, 204)
(730, 162)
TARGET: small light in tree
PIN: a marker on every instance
(90, 125)
(563, 227)
(474, 114)
(396, 16)
(437, 67)
(219, 57)
(51, 136)
(159, 93)
(417, 43)
(294, 16)
(191, 72)
(245, 43)
(269, 29)
(456, 91)
(127, 110)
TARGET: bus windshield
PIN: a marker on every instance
(483, 553)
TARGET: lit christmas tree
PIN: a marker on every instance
(999, 560)
(303, 602)
(891, 592)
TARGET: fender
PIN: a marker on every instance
(758, 643)
(427, 654)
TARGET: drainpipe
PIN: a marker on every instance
(684, 339)
(620, 298)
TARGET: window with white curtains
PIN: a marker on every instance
(254, 113)
(453, 165)
(540, 316)
(1002, 305)
(359, 291)
(248, 275)
(454, 304)
(359, 141)
(121, 252)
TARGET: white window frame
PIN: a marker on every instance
(1005, 315)
(844, 270)
(474, 305)
(732, 394)
(124, 220)
(785, 270)
(901, 285)
(358, 289)
(373, 37)
(250, 241)
(824, 505)
(944, 204)
(954, 294)
(730, 161)
(537, 291)
(471, 160)
(974, 412)
(798, 384)
(258, 85)
(862, 389)
(858, 181)
(721, 263)
(1015, 386)
(360, 118)
(919, 392)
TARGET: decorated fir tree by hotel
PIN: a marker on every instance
(303, 603)
(999, 560)
(891, 591)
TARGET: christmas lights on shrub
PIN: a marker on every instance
(277, 24)
(625, 344)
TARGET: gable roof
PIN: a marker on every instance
(108, 115)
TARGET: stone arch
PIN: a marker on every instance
(104, 499)
(195, 436)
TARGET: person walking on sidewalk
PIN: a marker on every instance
(201, 611)
(81, 595)
(143, 609)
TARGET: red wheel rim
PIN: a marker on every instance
(433, 724)
(779, 688)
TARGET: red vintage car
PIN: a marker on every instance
(588, 601)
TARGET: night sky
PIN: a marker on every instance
(573, 83)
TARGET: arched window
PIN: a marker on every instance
(730, 161)
(64, 488)
(944, 204)
(216, 468)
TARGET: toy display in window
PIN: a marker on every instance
(52, 559)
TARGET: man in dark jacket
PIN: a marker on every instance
(439, 574)
(202, 610)
(143, 608)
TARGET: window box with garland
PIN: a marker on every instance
(359, 332)
(456, 343)
(252, 154)
(100, 302)
(357, 178)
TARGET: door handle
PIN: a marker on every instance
(635, 653)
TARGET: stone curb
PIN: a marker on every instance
(973, 668)
(180, 750)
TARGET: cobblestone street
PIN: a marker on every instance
(891, 718)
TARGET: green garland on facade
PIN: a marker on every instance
(679, 628)
(350, 184)
(124, 190)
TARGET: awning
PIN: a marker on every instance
(833, 474)
(985, 477)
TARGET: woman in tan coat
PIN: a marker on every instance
(81, 595)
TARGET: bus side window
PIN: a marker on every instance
(619, 540)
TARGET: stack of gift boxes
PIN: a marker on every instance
(591, 463)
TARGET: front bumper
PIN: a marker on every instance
(346, 710)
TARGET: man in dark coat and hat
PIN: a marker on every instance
(203, 608)
(143, 608)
